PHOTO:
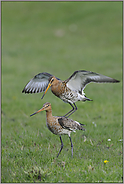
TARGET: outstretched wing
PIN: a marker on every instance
(38, 83)
(79, 79)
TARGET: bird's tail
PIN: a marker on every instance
(80, 127)
(88, 99)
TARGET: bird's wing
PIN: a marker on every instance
(79, 79)
(37, 84)
(69, 124)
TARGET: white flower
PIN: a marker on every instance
(109, 139)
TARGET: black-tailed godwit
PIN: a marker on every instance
(60, 125)
(70, 90)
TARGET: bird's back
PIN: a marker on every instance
(70, 124)
(62, 125)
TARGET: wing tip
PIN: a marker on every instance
(116, 81)
(23, 91)
(81, 127)
(112, 81)
(26, 91)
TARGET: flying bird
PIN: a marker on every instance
(70, 90)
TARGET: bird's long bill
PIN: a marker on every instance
(42, 109)
(46, 90)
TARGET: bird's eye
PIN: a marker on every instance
(52, 80)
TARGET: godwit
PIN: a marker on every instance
(60, 125)
(69, 90)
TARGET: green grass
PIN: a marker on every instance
(59, 38)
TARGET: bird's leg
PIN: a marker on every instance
(72, 111)
(61, 147)
(69, 111)
(71, 146)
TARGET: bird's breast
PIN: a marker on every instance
(58, 89)
(53, 125)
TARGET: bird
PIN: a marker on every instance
(60, 125)
(70, 90)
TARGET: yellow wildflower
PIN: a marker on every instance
(105, 161)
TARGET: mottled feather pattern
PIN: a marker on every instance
(70, 124)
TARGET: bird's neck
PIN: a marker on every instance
(48, 114)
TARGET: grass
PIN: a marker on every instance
(59, 38)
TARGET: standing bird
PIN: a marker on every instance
(60, 125)
(69, 90)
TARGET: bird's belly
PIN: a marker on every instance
(53, 127)
(72, 97)
(64, 131)
(66, 94)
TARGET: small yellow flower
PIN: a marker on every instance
(105, 161)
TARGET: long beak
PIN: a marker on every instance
(42, 109)
(46, 90)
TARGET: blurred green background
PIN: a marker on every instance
(60, 38)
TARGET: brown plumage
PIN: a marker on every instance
(69, 90)
(60, 125)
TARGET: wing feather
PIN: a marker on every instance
(37, 84)
(69, 124)
(79, 79)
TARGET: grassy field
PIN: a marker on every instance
(59, 38)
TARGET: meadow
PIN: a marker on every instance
(60, 38)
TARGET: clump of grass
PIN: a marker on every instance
(37, 174)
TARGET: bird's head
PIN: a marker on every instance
(52, 81)
(46, 106)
